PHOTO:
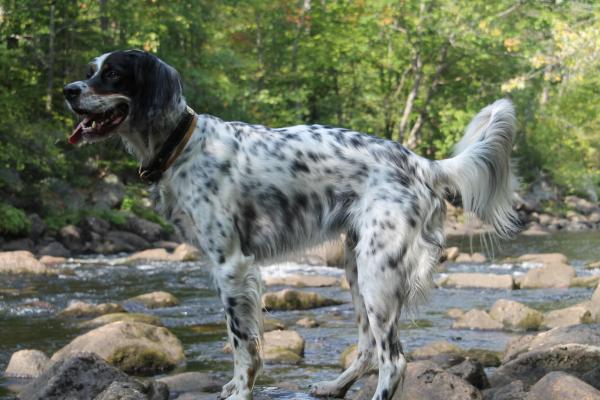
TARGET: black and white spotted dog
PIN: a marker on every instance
(246, 193)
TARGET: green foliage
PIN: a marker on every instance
(133, 203)
(55, 221)
(13, 221)
(415, 71)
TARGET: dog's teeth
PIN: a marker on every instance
(93, 124)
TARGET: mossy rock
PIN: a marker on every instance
(140, 360)
(289, 299)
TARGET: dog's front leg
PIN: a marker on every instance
(239, 287)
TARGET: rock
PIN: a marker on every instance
(576, 359)
(594, 305)
(592, 377)
(535, 229)
(150, 231)
(37, 226)
(544, 258)
(165, 244)
(477, 280)
(272, 324)
(23, 262)
(344, 284)
(183, 252)
(80, 309)
(109, 193)
(54, 249)
(26, 364)
(472, 372)
(80, 376)
(516, 316)
(156, 299)
(561, 386)
(513, 391)
(577, 314)
(594, 218)
(132, 346)
(585, 281)
(455, 313)
(192, 382)
(478, 320)
(70, 237)
(348, 356)
(302, 280)
(289, 299)
(487, 358)
(307, 322)
(52, 260)
(434, 349)
(95, 225)
(470, 258)
(549, 276)
(134, 391)
(282, 347)
(582, 205)
(121, 241)
(580, 334)
(130, 317)
(330, 253)
(593, 265)
(24, 244)
(450, 253)
(425, 380)
(186, 252)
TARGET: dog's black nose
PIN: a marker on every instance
(71, 91)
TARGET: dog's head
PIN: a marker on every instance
(124, 92)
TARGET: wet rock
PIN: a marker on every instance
(114, 317)
(470, 258)
(282, 347)
(151, 231)
(585, 281)
(134, 391)
(183, 252)
(549, 276)
(80, 309)
(576, 359)
(487, 358)
(544, 258)
(434, 349)
(122, 241)
(307, 322)
(272, 324)
(23, 263)
(447, 354)
(54, 249)
(593, 265)
(425, 380)
(156, 299)
(580, 334)
(289, 299)
(515, 316)
(134, 347)
(348, 356)
(577, 314)
(455, 313)
(477, 320)
(476, 280)
(52, 260)
(80, 376)
(472, 372)
(192, 382)
(513, 391)
(26, 364)
(302, 280)
(562, 386)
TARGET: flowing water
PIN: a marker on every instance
(28, 307)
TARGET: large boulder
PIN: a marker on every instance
(81, 309)
(282, 347)
(515, 316)
(289, 299)
(23, 263)
(132, 346)
(549, 276)
(477, 320)
(577, 314)
(575, 359)
(447, 354)
(544, 258)
(149, 230)
(158, 299)
(472, 372)
(302, 280)
(26, 364)
(477, 280)
(84, 376)
(426, 380)
(515, 390)
(54, 249)
(561, 386)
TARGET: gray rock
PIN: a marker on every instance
(37, 227)
(472, 372)
(592, 377)
(512, 391)
(561, 386)
(18, 244)
(109, 193)
(70, 237)
(134, 390)
(150, 231)
(121, 241)
(27, 364)
(54, 249)
(94, 224)
(192, 382)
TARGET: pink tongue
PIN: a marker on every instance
(77, 133)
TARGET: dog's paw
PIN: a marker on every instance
(327, 389)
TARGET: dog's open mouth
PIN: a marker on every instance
(95, 126)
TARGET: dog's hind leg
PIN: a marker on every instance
(365, 360)
(239, 286)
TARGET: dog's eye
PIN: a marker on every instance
(112, 74)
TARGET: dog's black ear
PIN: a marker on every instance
(158, 90)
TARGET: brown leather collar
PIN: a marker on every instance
(171, 148)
